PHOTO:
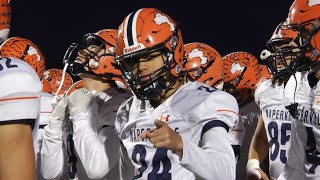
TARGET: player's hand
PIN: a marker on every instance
(79, 101)
(59, 111)
(164, 137)
(257, 174)
(55, 100)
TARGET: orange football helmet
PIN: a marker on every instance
(95, 55)
(46, 86)
(5, 19)
(77, 85)
(241, 74)
(54, 76)
(203, 64)
(282, 54)
(25, 50)
(304, 16)
(143, 32)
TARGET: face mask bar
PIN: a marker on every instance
(85, 57)
(156, 83)
(304, 40)
(275, 55)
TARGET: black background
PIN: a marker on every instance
(228, 25)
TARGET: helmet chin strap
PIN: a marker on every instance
(56, 98)
(62, 79)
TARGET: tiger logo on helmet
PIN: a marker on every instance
(143, 32)
(204, 64)
(25, 50)
(241, 75)
(304, 17)
(54, 76)
(5, 19)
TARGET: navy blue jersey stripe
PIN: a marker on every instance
(212, 124)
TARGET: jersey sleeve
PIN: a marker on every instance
(222, 107)
(53, 153)
(45, 108)
(261, 87)
(20, 92)
(214, 157)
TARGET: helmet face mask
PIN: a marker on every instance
(283, 61)
(304, 17)
(284, 55)
(94, 56)
(152, 84)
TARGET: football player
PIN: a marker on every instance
(274, 97)
(241, 75)
(84, 141)
(20, 72)
(169, 128)
(304, 153)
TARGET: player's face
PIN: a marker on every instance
(147, 65)
(287, 58)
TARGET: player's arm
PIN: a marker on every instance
(19, 108)
(214, 158)
(258, 152)
(53, 155)
(213, 155)
(214, 151)
(16, 155)
(98, 151)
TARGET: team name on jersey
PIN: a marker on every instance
(304, 115)
(135, 132)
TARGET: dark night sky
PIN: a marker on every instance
(229, 25)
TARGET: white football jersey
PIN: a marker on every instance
(192, 110)
(272, 101)
(46, 108)
(90, 140)
(304, 154)
(19, 91)
(45, 111)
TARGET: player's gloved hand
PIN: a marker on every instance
(79, 101)
(55, 100)
(59, 111)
